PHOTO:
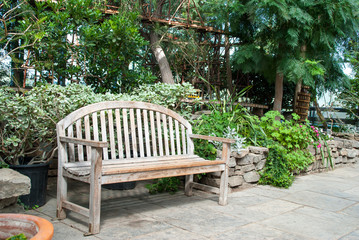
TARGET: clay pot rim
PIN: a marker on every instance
(46, 229)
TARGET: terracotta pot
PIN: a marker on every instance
(34, 228)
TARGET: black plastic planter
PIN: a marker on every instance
(120, 186)
(38, 176)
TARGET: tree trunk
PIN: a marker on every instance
(228, 64)
(298, 86)
(278, 95)
(320, 115)
(161, 58)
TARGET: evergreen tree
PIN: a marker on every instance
(278, 37)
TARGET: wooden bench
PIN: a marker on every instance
(122, 141)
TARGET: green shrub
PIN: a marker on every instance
(219, 124)
(164, 185)
(288, 142)
(289, 133)
(28, 122)
(277, 170)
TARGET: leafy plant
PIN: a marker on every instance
(214, 124)
(320, 142)
(26, 207)
(167, 95)
(28, 122)
(288, 142)
(164, 185)
(20, 236)
(289, 133)
(277, 170)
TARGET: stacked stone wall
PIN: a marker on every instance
(244, 167)
(342, 151)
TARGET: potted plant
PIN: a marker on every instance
(28, 130)
(26, 144)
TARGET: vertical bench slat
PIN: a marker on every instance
(140, 133)
(147, 133)
(153, 134)
(178, 138)
(165, 134)
(159, 133)
(119, 133)
(70, 133)
(133, 133)
(95, 127)
(104, 133)
(190, 145)
(112, 134)
(170, 125)
(80, 149)
(125, 132)
(87, 135)
(183, 131)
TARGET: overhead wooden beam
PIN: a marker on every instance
(180, 24)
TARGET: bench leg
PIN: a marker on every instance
(61, 196)
(95, 191)
(95, 208)
(223, 189)
(188, 185)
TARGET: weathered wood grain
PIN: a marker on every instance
(159, 148)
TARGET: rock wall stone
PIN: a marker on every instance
(343, 151)
(244, 167)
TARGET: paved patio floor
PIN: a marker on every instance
(317, 206)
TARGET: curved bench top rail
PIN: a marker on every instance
(96, 107)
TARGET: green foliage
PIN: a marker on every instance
(303, 40)
(281, 163)
(26, 207)
(320, 142)
(164, 185)
(290, 134)
(28, 122)
(20, 236)
(77, 41)
(288, 142)
(350, 96)
(167, 95)
(218, 124)
(277, 171)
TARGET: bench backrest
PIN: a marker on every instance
(132, 129)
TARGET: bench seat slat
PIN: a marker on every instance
(116, 167)
(139, 176)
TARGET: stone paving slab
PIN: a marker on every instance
(257, 231)
(318, 200)
(309, 226)
(317, 206)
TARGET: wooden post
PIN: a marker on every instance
(188, 185)
(223, 188)
(189, 178)
(95, 190)
(61, 180)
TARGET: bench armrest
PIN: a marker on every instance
(90, 143)
(211, 138)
